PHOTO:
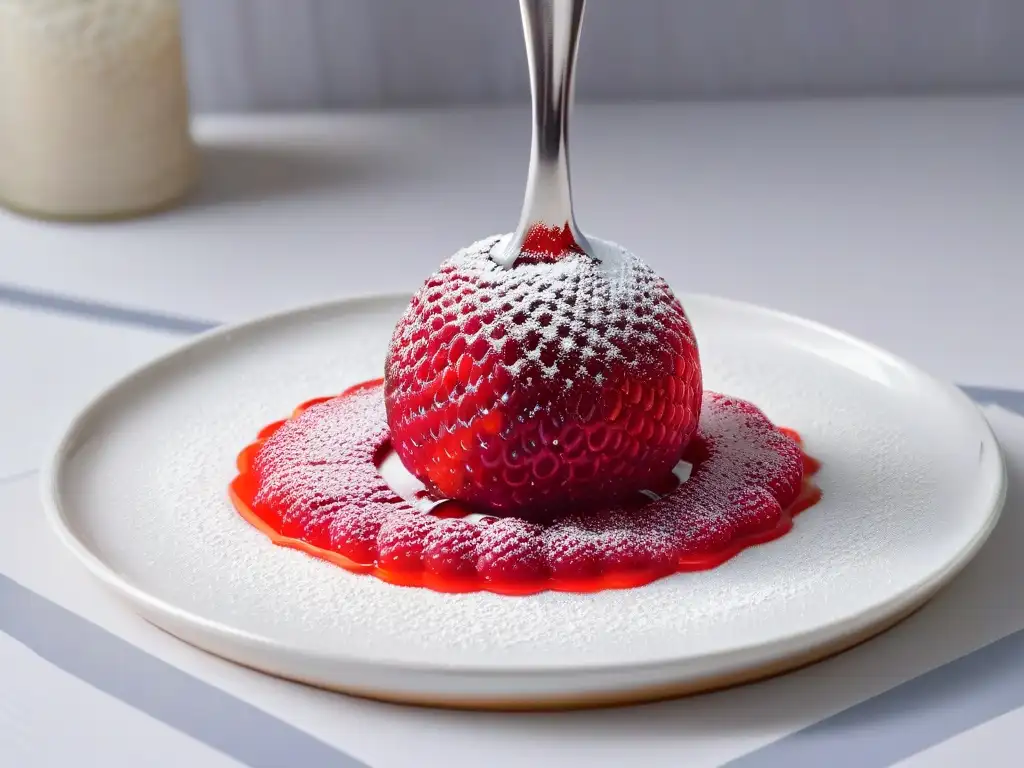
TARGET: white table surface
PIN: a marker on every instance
(899, 221)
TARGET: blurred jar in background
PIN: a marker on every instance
(93, 108)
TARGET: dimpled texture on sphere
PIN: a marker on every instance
(545, 387)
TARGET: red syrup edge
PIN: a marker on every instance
(243, 489)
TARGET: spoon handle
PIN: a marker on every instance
(547, 223)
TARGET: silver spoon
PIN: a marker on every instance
(552, 31)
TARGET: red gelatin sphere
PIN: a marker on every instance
(546, 386)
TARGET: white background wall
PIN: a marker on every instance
(307, 54)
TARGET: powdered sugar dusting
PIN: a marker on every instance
(319, 471)
(575, 305)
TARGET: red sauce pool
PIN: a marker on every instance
(244, 491)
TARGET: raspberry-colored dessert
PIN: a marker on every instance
(545, 389)
(312, 483)
(561, 382)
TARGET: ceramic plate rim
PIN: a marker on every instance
(58, 457)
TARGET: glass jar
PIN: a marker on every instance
(94, 118)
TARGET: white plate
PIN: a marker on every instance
(913, 483)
